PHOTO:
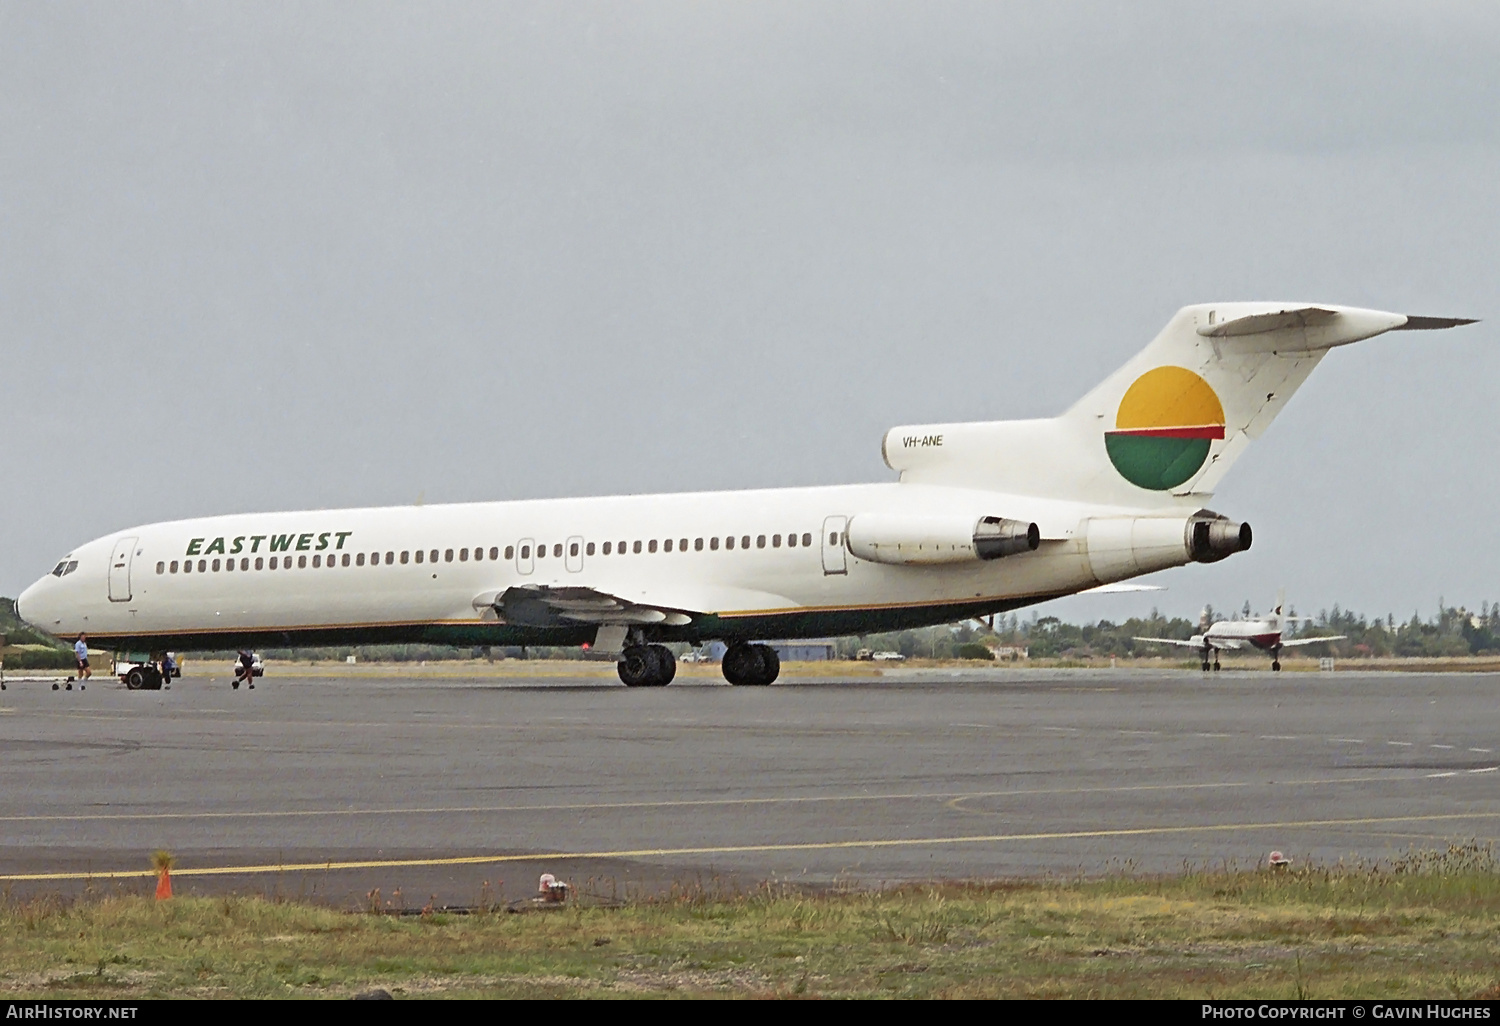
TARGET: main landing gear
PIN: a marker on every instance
(143, 678)
(647, 666)
(1205, 659)
(1276, 659)
(751, 664)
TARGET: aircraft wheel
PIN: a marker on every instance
(743, 664)
(1276, 665)
(135, 679)
(1216, 666)
(1205, 666)
(666, 665)
(637, 666)
(771, 663)
(54, 685)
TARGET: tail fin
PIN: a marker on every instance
(1165, 428)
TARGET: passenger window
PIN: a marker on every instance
(345, 560)
(667, 545)
(301, 562)
(525, 551)
(510, 552)
(174, 566)
(573, 549)
(729, 541)
(187, 566)
(260, 562)
(681, 544)
(432, 556)
(775, 541)
(607, 547)
(245, 563)
(359, 560)
(495, 552)
(216, 566)
(589, 549)
(274, 561)
(447, 555)
(420, 555)
(541, 552)
(833, 538)
(791, 541)
(463, 556)
(760, 541)
(557, 550)
(745, 542)
(161, 567)
(228, 564)
(203, 566)
(697, 544)
(807, 539)
(620, 548)
(651, 545)
(317, 561)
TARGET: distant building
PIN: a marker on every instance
(812, 651)
(787, 651)
(1011, 652)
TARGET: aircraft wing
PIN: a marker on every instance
(541, 605)
(1171, 641)
(1312, 641)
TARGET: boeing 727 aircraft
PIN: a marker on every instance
(985, 518)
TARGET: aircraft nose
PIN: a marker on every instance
(29, 606)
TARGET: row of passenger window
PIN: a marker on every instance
(317, 560)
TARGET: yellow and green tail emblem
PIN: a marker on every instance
(1166, 423)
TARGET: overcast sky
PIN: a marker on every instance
(267, 256)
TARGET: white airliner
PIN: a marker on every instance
(1262, 632)
(986, 517)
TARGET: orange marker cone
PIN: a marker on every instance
(162, 862)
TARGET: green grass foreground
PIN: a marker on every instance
(1423, 928)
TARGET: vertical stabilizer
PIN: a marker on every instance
(1163, 429)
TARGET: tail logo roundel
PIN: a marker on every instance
(1166, 423)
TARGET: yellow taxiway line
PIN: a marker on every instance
(732, 849)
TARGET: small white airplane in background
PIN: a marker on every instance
(1264, 633)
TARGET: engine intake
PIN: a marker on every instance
(908, 540)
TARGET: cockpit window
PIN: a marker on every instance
(64, 568)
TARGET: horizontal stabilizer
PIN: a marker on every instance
(1256, 324)
(1434, 323)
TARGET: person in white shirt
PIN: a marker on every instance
(81, 653)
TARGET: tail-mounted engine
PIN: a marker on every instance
(1121, 547)
(906, 540)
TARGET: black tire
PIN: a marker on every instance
(135, 680)
(637, 667)
(742, 664)
(770, 665)
(54, 685)
(1276, 666)
(666, 665)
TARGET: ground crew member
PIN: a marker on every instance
(81, 653)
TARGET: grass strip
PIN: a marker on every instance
(1425, 926)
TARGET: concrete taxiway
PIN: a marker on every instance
(437, 786)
